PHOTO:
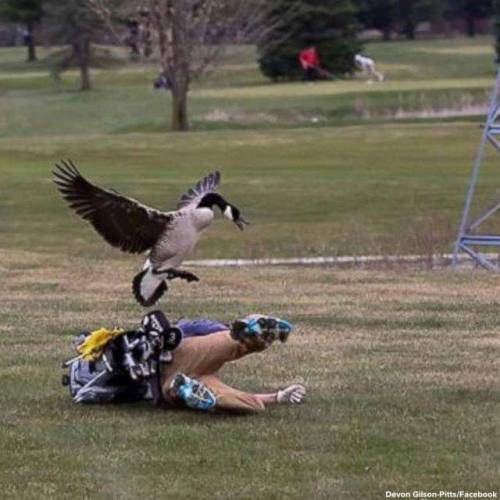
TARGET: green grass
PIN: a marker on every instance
(403, 394)
(444, 75)
(317, 191)
(401, 366)
(456, 58)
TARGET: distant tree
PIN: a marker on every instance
(496, 10)
(470, 10)
(435, 10)
(74, 22)
(378, 14)
(328, 25)
(27, 12)
(413, 12)
(476, 9)
(189, 37)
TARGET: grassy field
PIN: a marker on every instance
(329, 191)
(375, 186)
(422, 77)
(402, 369)
(401, 364)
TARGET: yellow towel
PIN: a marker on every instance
(93, 346)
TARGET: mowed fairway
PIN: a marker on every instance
(402, 365)
(386, 189)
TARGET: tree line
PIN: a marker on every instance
(333, 26)
(403, 16)
(388, 16)
(188, 36)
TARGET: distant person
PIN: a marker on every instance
(309, 60)
(367, 66)
(27, 38)
(162, 82)
(132, 39)
(25, 35)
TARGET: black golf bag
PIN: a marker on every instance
(121, 366)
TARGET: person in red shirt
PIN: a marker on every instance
(309, 60)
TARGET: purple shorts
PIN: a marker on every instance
(200, 327)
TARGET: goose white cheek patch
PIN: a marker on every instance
(228, 212)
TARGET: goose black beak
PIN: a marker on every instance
(241, 223)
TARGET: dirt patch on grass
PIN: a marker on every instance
(472, 110)
(244, 117)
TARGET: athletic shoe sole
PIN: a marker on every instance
(266, 326)
(177, 382)
(194, 393)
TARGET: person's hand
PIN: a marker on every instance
(293, 394)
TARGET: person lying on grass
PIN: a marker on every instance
(174, 365)
(191, 379)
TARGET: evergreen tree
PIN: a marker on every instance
(27, 12)
(328, 25)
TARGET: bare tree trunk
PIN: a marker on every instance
(409, 30)
(82, 52)
(30, 42)
(85, 77)
(180, 66)
(190, 36)
(471, 26)
(179, 110)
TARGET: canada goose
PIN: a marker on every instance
(135, 228)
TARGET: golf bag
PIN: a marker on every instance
(121, 366)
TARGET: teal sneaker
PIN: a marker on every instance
(266, 327)
(195, 394)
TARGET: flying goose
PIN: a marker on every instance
(135, 228)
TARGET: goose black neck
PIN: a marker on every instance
(211, 199)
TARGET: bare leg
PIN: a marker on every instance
(198, 356)
(201, 358)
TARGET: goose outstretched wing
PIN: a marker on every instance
(123, 222)
(193, 196)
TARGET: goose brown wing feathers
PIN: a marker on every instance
(123, 222)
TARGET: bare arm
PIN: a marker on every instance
(293, 394)
(269, 398)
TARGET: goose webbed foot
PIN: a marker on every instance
(181, 274)
(172, 274)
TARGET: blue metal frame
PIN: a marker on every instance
(467, 240)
